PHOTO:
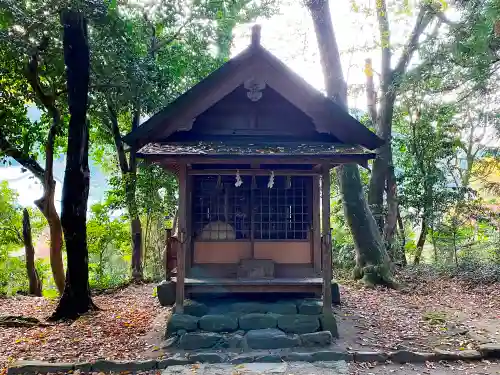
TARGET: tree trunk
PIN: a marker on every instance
(372, 261)
(46, 203)
(392, 214)
(389, 84)
(135, 223)
(383, 120)
(76, 298)
(421, 242)
(129, 175)
(35, 287)
(402, 237)
(434, 245)
(48, 209)
(382, 161)
(455, 250)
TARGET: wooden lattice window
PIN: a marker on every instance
(222, 211)
(282, 212)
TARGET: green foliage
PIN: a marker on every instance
(108, 241)
(30, 37)
(143, 57)
(421, 147)
(13, 278)
(342, 242)
(157, 200)
(435, 317)
(474, 272)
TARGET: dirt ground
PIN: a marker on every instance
(130, 325)
(473, 368)
(448, 314)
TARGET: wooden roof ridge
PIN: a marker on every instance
(255, 62)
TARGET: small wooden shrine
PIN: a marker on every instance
(252, 146)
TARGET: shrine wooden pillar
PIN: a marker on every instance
(326, 241)
(183, 239)
(316, 223)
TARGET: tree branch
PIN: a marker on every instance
(49, 102)
(424, 17)
(115, 130)
(371, 95)
(385, 41)
(157, 46)
(26, 161)
(445, 20)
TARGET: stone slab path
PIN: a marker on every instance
(295, 368)
(336, 368)
(333, 368)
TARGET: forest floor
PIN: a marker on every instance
(421, 315)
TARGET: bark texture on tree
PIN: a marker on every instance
(76, 298)
(47, 207)
(373, 265)
(35, 286)
(421, 242)
(372, 261)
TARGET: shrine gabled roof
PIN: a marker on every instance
(223, 149)
(254, 63)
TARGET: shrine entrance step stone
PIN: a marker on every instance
(255, 269)
(257, 321)
(298, 323)
(270, 338)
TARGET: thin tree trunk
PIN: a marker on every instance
(372, 261)
(48, 209)
(147, 241)
(135, 224)
(35, 287)
(434, 247)
(421, 242)
(46, 203)
(392, 213)
(129, 175)
(76, 298)
(389, 85)
(455, 250)
(402, 236)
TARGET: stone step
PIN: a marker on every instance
(296, 323)
(268, 338)
(271, 338)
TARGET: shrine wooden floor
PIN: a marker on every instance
(311, 285)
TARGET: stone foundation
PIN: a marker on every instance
(249, 325)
